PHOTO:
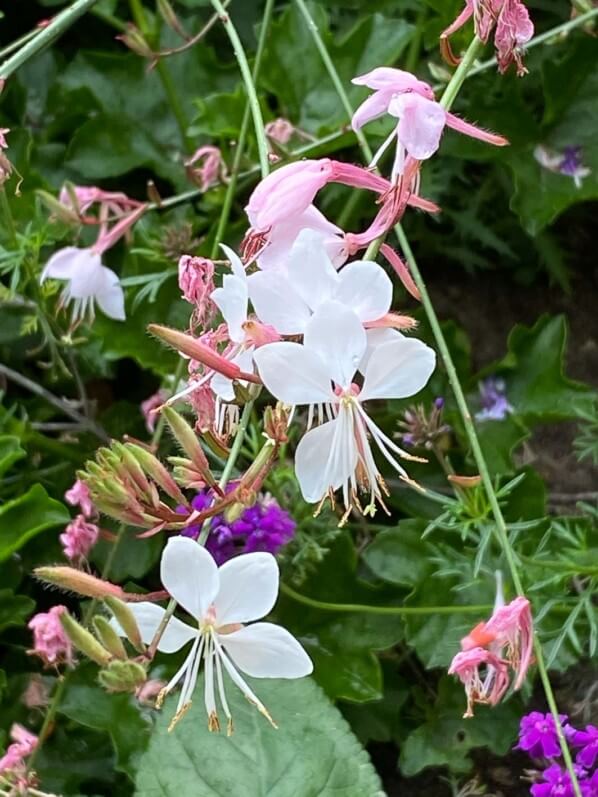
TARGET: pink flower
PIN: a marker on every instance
(23, 745)
(50, 642)
(3, 141)
(196, 281)
(206, 167)
(149, 406)
(513, 629)
(78, 538)
(513, 30)
(79, 495)
(147, 693)
(87, 282)
(487, 688)
(422, 120)
(280, 130)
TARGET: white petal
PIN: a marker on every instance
(236, 265)
(324, 458)
(148, 617)
(222, 385)
(366, 288)
(398, 369)
(89, 277)
(265, 650)
(62, 264)
(190, 575)
(111, 298)
(376, 337)
(337, 335)
(248, 588)
(232, 300)
(276, 302)
(310, 270)
(293, 373)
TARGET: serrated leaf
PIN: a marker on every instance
(313, 754)
(27, 516)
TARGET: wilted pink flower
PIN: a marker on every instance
(79, 495)
(149, 406)
(487, 687)
(3, 142)
(23, 745)
(196, 281)
(279, 130)
(203, 402)
(50, 642)
(206, 167)
(147, 693)
(37, 693)
(513, 629)
(421, 119)
(6, 167)
(78, 538)
(513, 30)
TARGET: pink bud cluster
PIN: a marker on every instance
(80, 535)
(50, 641)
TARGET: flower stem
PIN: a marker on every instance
(256, 111)
(240, 150)
(46, 36)
(447, 99)
(394, 610)
(163, 71)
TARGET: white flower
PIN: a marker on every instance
(337, 454)
(221, 600)
(88, 281)
(287, 297)
(232, 299)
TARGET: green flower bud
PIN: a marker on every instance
(126, 619)
(85, 642)
(122, 676)
(108, 637)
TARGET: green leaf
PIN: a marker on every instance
(313, 754)
(499, 441)
(27, 516)
(14, 609)
(119, 715)
(293, 68)
(446, 739)
(537, 387)
(400, 556)
(10, 452)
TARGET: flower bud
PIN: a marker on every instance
(108, 637)
(77, 581)
(135, 41)
(122, 676)
(186, 438)
(126, 619)
(234, 512)
(85, 642)
(156, 470)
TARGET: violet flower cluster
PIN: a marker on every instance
(265, 526)
(539, 739)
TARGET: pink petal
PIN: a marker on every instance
(421, 123)
(371, 108)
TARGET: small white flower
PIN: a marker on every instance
(337, 454)
(221, 600)
(88, 282)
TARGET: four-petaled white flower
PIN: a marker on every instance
(88, 282)
(337, 454)
(221, 600)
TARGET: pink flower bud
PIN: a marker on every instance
(279, 130)
(78, 538)
(196, 281)
(50, 642)
(147, 693)
(79, 496)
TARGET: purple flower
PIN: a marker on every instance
(265, 526)
(558, 783)
(495, 406)
(588, 741)
(538, 736)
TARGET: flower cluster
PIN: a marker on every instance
(265, 526)
(539, 738)
(13, 764)
(503, 642)
(493, 398)
(80, 535)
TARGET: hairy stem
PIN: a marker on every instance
(256, 111)
(45, 36)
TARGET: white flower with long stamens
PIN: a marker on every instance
(337, 454)
(220, 600)
(286, 298)
(88, 282)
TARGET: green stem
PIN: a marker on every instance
(234, 176)
(256, 111)
(46, 36)
(138, 12)
(501, 527)
(14, 45)
(333, 74)
(394, 610)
